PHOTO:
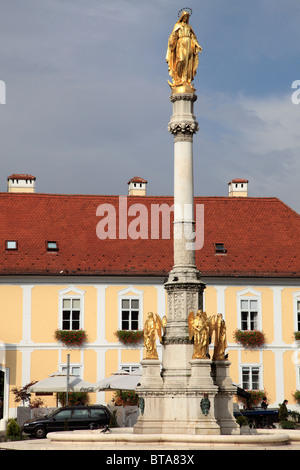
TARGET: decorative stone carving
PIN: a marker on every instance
(184, 97)
(183, 131)
(205, 405)
(142, 405)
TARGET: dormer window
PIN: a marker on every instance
(11, 244)
(52, 246)
(220, 248)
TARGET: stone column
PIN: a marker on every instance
(183, 126)
(180, 398)
(184, 286)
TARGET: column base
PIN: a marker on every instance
(223, 400)
(172, 409)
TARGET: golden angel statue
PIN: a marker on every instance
(182, 54)
(220, 338)
(199, 329)
(153, 326)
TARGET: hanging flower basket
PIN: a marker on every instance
(130, 336)
(71, 337)
(250, 338)
(297, 335)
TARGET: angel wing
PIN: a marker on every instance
(191, 319)
(158, 326)
(146, 331)
(164, 322)
(212, 324)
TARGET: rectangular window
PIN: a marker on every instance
(11, 244)
(81, 414)
(97, 413)
(130, 367)
(220, 248)
(298, 315)
(250, 378)
(130, 314)
(73, 370)
(71, 314)
(52, 246)
(249, 314)
(63, 415)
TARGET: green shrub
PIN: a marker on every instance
(295, 416)
(285, 424)
(113, 420)
(13, 431)
(242, 421)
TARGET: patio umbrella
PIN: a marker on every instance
(57, 382)
(120, 380)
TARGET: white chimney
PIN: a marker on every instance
(18, 183)
(137, 186)
(238, 188)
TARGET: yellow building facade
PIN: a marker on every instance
(56, 273)
(31, 312)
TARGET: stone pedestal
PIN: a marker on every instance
(223, 400)
(169, 407)
(150, 398)
(151, 374)
(202, 392)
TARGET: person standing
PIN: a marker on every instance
(283, 411)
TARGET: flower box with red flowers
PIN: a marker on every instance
(250, 338)
(255, 399)
(130, 336)
(71, 337)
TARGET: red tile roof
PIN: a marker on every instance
(261, 236)
(239, 180)
(18, 176)
(137, 179)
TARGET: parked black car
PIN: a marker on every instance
(68, 418)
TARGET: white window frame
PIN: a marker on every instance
(131, 293)
(296, 299)
(63, 368)
(71, 293)
(254, 295)
(251, 367)
(130, 367)
(298, 376)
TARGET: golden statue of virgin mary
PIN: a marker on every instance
(182, 55)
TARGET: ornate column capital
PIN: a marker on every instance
(183, 124)
(183, 131)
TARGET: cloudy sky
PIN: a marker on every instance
(87, 99)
